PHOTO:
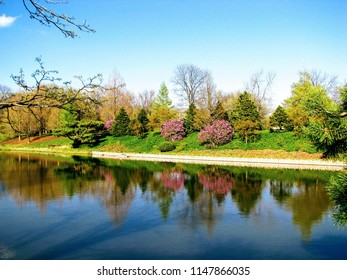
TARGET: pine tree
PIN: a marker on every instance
(280, 119)
(245, 109)
(120, 127)
(190, 118)
(246, 118)
(143, 121)
(219, 113)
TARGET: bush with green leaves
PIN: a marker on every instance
(173, 130)
(216, 134)
(247, 130)
(167, 147)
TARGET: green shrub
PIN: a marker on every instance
(167, 147)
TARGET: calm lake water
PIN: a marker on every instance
(55, 207)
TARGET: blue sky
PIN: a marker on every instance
(144, 40)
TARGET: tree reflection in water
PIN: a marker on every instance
(247, 190)
(216, 180)
(201, 190)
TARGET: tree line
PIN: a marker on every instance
(87, 112)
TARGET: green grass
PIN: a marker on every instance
(279, 145)
(274, 141)
(132, 143)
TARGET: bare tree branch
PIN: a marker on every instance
(45, 93)
(64, 23)
(259, 86)
(328, 82)
(189, 81)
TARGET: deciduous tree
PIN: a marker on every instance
(162, 109)
(259, 86)
(189, 81)
(46, 93)
(48, 17)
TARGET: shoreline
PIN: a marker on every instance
(230, 161)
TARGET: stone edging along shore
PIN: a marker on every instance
(231, 161)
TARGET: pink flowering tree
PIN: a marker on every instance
(173, 130)
(108, 124)
(218, 133)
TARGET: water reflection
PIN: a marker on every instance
(198, 193)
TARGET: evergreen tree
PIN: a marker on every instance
(219, 113)
(280, 119)
(190, 118)
(120, 127)
(330, 136)
(246, 117)
(245, 109)
(143, 123)
(83, 132)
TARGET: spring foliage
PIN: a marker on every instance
(173, 130)
(216, 134)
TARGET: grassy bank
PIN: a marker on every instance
(271, 145)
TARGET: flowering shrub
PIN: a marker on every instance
(216, 180)
(218, 133)
(173, 130)
(108, 124)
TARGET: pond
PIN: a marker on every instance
(55, 207)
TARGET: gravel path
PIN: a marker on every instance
(231, 161)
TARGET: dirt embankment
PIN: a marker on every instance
(24, 141)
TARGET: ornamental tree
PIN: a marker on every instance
(83, 132)
(218, 133)
(173, 130)
(108, 124)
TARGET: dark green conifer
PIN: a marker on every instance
(219, 113)
(280, 119)
(120, 126)
(189, 118)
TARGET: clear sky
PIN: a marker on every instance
(144, 40)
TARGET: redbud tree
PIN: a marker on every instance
(173, 130)
(216, 134)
